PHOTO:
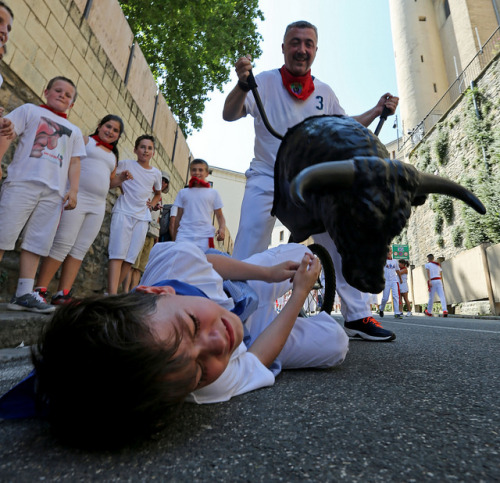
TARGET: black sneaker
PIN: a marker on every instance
(368, 329)
(31, 302)
(381, 313)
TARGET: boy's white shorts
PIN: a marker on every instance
(31, 204)
(126, 237)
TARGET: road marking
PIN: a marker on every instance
(439, 327)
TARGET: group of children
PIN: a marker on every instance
(56, 190)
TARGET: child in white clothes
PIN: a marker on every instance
(435, 285)
(78, 228)
(392, 279)
(42, 180)
(403, 288)
(112, 368)
(131, 213)
(195, 207)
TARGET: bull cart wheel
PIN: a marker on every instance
(322, 295)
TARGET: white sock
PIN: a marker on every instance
(24, 286)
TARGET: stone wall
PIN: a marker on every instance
(50, 38)
(462, 162)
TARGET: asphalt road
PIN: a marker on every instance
(422, 408)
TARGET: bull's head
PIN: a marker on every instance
(331, 174)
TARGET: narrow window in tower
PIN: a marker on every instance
(422, 18)
(446, 9)
(435, 87)
(282, 235)
(421, 58)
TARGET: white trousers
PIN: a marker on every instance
(254, 236)
(437, 288)
(126, 237)
(394, 286)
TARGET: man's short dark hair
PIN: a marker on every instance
(148, 137)
(430, 255)
(301, 24)
(11, 13)
(102, 375)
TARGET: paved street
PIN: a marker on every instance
(422, 408)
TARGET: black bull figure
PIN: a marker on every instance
(331, 174)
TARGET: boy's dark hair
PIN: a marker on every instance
(145, 136)
(104, 120)
(199, 161)
(102, 376)
(65, 79)
(301, 24)
(11, 13)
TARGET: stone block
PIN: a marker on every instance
(40, 10)
(59, 11)
(60, 36)
(41, 38)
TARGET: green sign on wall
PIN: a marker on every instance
(400, 252)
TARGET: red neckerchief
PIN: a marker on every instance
(195, 182)
(301, 86)
(436, 263)
(100, 142)
(62, 114)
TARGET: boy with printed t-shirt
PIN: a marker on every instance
(42, 180)
(131, 213)
(392, 278)
(435, 284)
(195, 206)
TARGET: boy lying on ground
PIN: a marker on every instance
(110, 369)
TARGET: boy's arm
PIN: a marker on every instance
(221, 232)
(156, 198)
(270, 342)
(171, 227)
(117, 179)
(74, 181)
(232, 269)
(180, 211)
(5, 142)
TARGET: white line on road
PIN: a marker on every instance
(439, 327)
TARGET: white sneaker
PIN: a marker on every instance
(408, 314)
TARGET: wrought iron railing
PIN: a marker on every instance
(474, 68)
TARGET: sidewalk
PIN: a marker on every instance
(19, 327)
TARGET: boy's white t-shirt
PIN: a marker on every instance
(137, 191)
(390, 270)
(186, 262)
(47, 142)
(199, 205)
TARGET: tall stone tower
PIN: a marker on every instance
(433, 41)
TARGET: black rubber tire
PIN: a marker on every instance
(327, 287)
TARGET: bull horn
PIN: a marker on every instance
(428, 183)
(330, 174)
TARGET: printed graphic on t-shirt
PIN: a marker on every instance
(46, 144)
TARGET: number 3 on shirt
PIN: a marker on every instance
(319, 107)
